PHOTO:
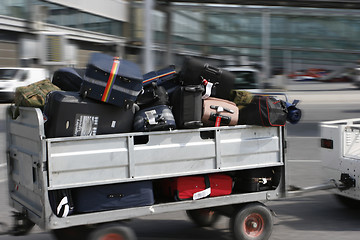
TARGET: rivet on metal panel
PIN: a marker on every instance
(152, 210)
(268, 195)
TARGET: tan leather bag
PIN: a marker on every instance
(219, 112)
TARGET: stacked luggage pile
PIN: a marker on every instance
(112, 96)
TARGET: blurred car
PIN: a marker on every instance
(246, 77)
(13, 77)
(356, 76)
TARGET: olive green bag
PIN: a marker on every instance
(33, 95)
(241, 98)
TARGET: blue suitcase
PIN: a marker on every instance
(112, 80)
(113, 196)
(155, 118)
(166, 77)
(68, 79)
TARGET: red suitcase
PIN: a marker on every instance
(197, 187)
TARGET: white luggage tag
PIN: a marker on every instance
(151, 117)
(202, 194)
(208, 86)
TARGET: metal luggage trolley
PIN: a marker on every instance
(37, 165)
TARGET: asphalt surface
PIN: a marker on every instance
(316, 215)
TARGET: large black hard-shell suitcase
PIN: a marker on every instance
(112, 80)
(156, 118)
(187, 106)
(114, 196)
(68, 79)
(68, 114)
(194, 72)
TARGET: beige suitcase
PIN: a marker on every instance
(219, 112)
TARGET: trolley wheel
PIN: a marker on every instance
(252, 221)
(348, 202)
(112, 232)
(203, 217)
(22, 225)
(71, 233)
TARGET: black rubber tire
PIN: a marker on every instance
(203, 217)
(72, 233)
(348, 202)
(252, 221)
(24, 228)
(112, 232)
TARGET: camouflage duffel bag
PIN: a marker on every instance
(33, 95)
(241, 98)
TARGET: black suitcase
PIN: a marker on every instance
(264, 111)
(152, 95)
(61, 202)
(218, 82)
(156, 118)
(68, 79)
(262, 179)
(68, 114)
(112, 80)
(187, 106)
(114, 196)
(166, 77)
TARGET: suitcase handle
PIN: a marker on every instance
(212, 69)
(194, 89)
(193, 124)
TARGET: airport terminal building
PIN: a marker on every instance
(63, 32)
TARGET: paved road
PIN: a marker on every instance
(313, 216)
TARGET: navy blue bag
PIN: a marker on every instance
(166, 77)
(61, 202)
(112, 80)
(113, 196)
(155, 118)
(68, 79)
(152, 95)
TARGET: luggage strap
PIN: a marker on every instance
(111, 80)
(159, 76)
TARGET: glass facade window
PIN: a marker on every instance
(63, 16)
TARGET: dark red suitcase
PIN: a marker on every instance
(196, 187)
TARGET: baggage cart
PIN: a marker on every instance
(37, 165)
(340, 155)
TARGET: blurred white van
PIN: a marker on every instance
(246, 77)
(11, 78)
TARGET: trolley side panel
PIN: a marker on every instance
(25, 158)
(75, 162)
